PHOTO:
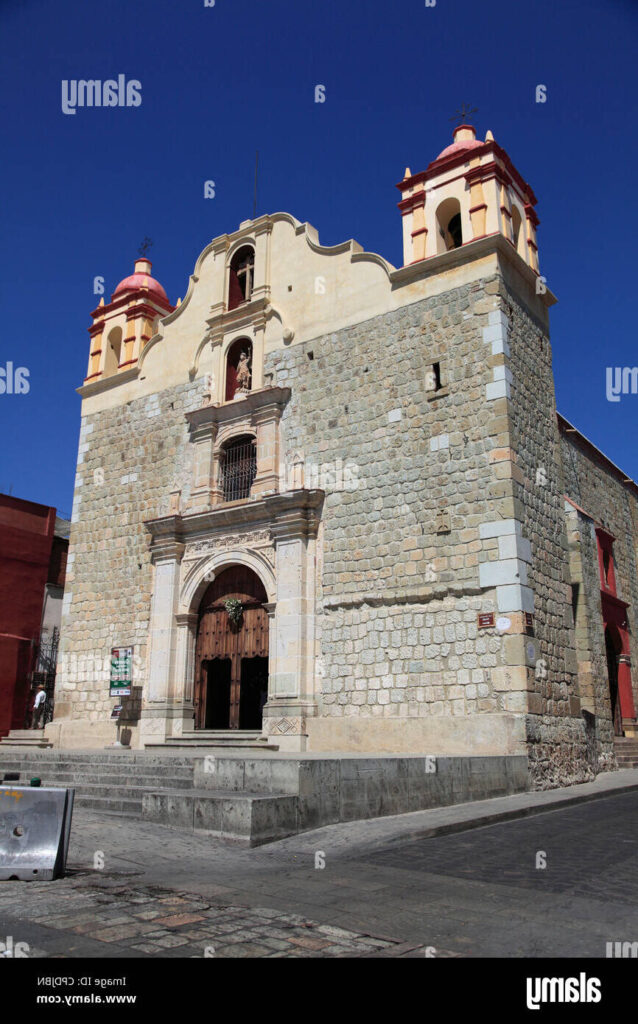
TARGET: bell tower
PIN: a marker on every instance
(121, 329)
(470, 191)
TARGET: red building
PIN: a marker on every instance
(33, 554)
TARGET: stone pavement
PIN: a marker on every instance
(454, 881)
(113, 919)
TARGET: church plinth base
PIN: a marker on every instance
(256, 799)
(285, 723)
(453, 735)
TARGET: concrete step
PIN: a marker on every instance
(94, 759)
(98, 774)
(129, 807)
(25, 738)
(222, 734)
(214, 745)
(133, 792)
(250, 818)
(79, 779)
(239, 739)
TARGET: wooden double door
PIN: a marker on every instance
(231, 657)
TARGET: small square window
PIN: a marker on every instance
(433, 378)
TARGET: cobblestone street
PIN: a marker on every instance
(124, 920)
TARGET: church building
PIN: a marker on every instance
(328, 505)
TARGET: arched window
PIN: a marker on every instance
(450, 232)
(519, 241)
(238, 464)
(242, 269)
(113, 351)
(606, 563)
(239, 362)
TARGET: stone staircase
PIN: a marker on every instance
(31, 738)
(626, 750)
(226, 800)
(104, 781)
(240, 739)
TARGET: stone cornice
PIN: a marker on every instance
(248, 314)
(569, 429)
(412, 595)
(289, 514)
(478, 249)
(268, 400)
(106, 383)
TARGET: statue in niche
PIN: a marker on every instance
(243, 375)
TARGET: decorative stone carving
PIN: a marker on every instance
(443, 521)
(261, 539)
(286, 726)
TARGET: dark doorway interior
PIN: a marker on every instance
(253, 692)
(231, 680)
(218, 693)
(612, 648)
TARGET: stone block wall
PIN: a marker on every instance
(129, 459)
(600, 491)
(400, 589)
(558, 743)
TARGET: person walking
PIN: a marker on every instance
(39, 706)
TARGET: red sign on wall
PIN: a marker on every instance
(485, 620)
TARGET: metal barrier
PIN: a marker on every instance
(35, 828)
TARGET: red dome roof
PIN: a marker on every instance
(135, 282)
(458, 147)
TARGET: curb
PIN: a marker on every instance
(494, 817)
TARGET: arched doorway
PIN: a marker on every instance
(231, 655)
(613, 648)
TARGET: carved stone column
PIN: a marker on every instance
(291, 682)
(206, 490)
(166, 555)
(182, 682)
(266, 423)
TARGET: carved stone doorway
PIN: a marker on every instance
(231, 655)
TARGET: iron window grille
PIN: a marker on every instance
(239, 468)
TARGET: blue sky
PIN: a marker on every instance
(80, 192)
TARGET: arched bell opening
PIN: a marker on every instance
(113, 351)
(231, 654)
(450, 231)
(241, 276)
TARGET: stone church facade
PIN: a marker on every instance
(331, 507)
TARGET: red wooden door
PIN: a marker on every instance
(218, 639)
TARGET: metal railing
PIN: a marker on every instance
(45, 657)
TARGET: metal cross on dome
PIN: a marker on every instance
(145, 246)
(461, 116)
